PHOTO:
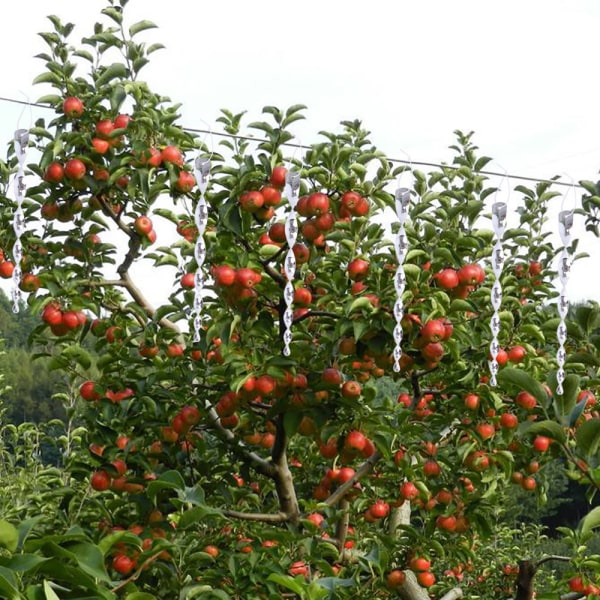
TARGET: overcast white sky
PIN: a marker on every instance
(522, 74)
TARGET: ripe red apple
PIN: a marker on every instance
(73, 107)
(471, 401)
(278, 175)
(446, 522)
(104, 128)
(185, 182)
(351, 389)
(395, 579)
(148, 350)
(265, 385)
(100, 146)
(541, 443)
(70, 319)
(88, 391)
(433, 331)
(431, 468)
(75, 169)
(251, 201)
(271, 195)
(175, 350)
(485, 430)
(380, 509)
(224, 275)
(447, 279)
(188, 281)
(358, 269)
(526, 400)
(433, 351)
(516, 354)
(173, 155)
(528, 483)
(54, 173)
(123, 564)
(122, 121)
(143, 225)
(535, 268)
(190, 415)
(301, 253)
(247, 277)
(426, 578)
(471, 274)
(29, 283)
(302, 296)
(419, 563)
(100, 480)
(409, 490)
(355, 441)
(331, 377)
(345, 474)
(298, 568)
(508, 421)
(317, 204)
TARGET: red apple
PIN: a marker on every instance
(73, 107)
(75, 169)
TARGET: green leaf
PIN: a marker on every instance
(533, 331)
(9, 536)
(140, 596)
(47, 77)
(287, 582)
(588, 437)
(23, 563)
(116, 70)
(551, 429)
(8, 585)
(524, 381)
(49, 592)
(198, 514)
(141, 26)
(91, 560)
(590, 521)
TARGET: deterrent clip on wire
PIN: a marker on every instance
(401, 245)
(499, 211)
(21, 140)
(202, 168)
(291, 191)
(565, 223)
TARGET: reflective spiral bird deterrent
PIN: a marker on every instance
(21, 139)
(202, 168)
(565, 222)
(401, 244)
(498, 222)
(292, 188)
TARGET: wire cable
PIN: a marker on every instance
(304, 147)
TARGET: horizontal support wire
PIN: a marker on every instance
(304, 147)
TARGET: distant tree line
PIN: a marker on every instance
(31, 384)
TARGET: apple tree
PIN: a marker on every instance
(250, 440)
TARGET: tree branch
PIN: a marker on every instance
(261, 465)
(411, 590)
(141, 301)
(284, 482)
(341, 531)
(363, 470)
(453, 594)
(262, 517)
